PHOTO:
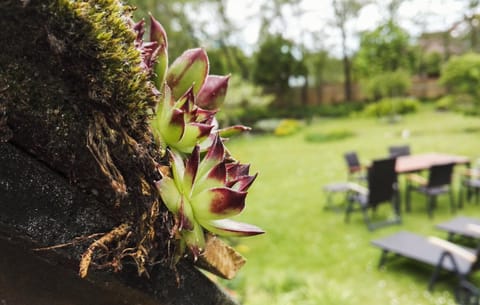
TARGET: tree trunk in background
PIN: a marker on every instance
(348, 78)
(77, 157)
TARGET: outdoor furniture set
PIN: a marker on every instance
(442, 255)
(369, 186)
(378, 183)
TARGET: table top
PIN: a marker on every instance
(413, 163)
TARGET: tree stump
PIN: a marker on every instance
(77, 159)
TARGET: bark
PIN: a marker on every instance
(77, 156)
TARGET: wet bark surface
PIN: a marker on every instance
(39, 209)
(77, 159)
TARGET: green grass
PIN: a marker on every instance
(309, 255)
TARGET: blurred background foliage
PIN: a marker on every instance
(280, 77)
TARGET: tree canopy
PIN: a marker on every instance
(387, 48)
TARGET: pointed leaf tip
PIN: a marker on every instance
(213, 92)
(228, 227)
(189, 69)
(157, 33)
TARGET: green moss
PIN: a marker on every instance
(88, 45)
(78, 99)
(106, 43)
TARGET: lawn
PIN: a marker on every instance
(309, 255)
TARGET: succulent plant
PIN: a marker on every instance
(204, 193)
(206, 185)
(189, 70)
(180, 124)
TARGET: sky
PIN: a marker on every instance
(416, 16)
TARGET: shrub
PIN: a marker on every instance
(244, 102)
(461, 74)
(464, 103)
(444, 103)
(266, 125)
(432, 64)
(388, 84)
(392, 106)
(287, 127)
(329, 136)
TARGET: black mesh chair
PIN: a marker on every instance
(439, 182)
(356, 171)
(398, 151)
(469, 186)
(382, 188)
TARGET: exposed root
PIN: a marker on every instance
(98, 135)
(117, 233)
(74, 242)
(142, 253)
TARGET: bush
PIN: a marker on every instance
(330, 136)
(432, 64)
(388, 84)
(464, 103)
(392, 106)
(304, 112)
(243, 99)
(461, 74)
(266, 125)
(444, 103)
(287, 127)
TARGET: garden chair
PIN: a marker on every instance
(443, 255)
(356, 171)
(398, 151)
(469, 185)
(461, 226)
(381, 188)
(439, 182)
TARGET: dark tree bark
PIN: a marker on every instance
(77, 162)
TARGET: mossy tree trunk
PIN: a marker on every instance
(77, 154)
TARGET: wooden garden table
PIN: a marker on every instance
(418, 162)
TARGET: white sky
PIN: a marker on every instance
(415, 16)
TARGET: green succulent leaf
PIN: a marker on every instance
(232, 130)
(213, 92)
(169, 194)
(189, 70)
(217, 203)
(228, 227)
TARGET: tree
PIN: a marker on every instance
(229, 60)
(461, 76)
(472, 18)
(386, 48)
(345, 10)
(275, 64)
(176, 21)
(323, 68)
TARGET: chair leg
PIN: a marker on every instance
(452, 201)
(460, 196)
(408, 197)
(367, 219)
(383, 259)
(434, 277)
(348, 210)
(430, 205)
(469, 193)
(397, 202)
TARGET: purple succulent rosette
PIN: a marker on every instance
(206, 186)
